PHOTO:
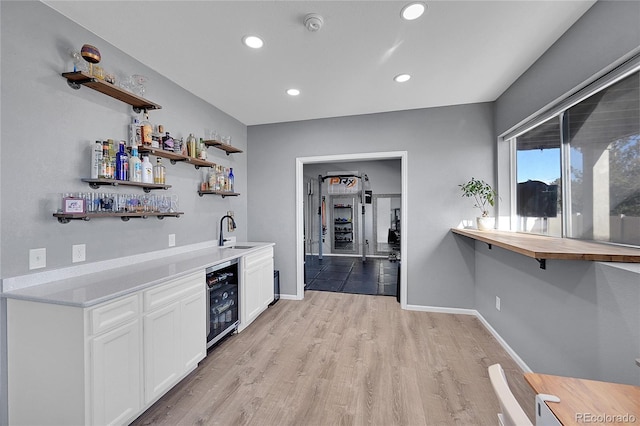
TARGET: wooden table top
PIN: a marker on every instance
(588, 401)
(545, 247)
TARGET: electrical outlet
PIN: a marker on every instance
(172, 240)
(230, 227)
(37, 258)
(497, 303)
(78, 253)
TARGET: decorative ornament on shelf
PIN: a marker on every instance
(484, 196)
(90, 54)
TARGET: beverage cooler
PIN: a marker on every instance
(343, 225)
(222, 301)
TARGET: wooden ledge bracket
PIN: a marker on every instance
(543, 263)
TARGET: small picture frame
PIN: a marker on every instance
(73, 205)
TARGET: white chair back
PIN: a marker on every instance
(512, 413)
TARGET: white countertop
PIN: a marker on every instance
(97, 287)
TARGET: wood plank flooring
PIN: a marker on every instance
(345, 359)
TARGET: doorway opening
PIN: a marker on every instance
(368, 259)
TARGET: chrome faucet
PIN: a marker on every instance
(221, 240)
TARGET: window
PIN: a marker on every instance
(578, 172)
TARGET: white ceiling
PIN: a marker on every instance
(459, 52)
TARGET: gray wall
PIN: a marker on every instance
(46, 128)
(575, 318)
(440, 143)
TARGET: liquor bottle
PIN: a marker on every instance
(191, 146)
(122, 163)
(159, 172)
(156, 137)
(211, 178)
(220, 174)
(167, 142)
(231, 178)
(135, 166)
(135, 135)
(105, 163)
(96, 159)
(202, 150)
(147, 170)
(146, 131)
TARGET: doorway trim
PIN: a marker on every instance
(300, 199)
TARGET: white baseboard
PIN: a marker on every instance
(441, 310)
(290, 297)
(504, 344)
(485, 323)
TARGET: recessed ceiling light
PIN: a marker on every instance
(401, 78)
(293, 92)
(413, 11)
(253, 42)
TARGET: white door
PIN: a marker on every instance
(194, 329)
(162, 352)
(115, 375)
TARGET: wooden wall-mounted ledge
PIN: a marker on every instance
(541, 247)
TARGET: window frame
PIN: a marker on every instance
(615, 73)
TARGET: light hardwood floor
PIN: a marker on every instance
(345, 359)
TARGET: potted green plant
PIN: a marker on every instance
(484, 196)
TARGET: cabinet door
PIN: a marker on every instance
(161, 350)
(116, 375)
(252, 305)
(194, 329)
(266, 282)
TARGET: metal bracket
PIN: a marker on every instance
(75, 85)
(543, 263)
(490, 246)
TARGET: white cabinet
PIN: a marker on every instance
(174, 332)
(105, 364)
(256, 288)
(115, 375)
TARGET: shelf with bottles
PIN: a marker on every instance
(147, 187)
(221, 193)
(223, 146)
(174, 157)
(80, 78)
(125, 216)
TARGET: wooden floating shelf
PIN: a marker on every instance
(541, 247)
(125, 216)
(80, 78)
(147, 187)
(221, 193)
(219, 145)
(175, 157)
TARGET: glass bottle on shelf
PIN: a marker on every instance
(146, 131)
(122, 163)
(147, 170)
(220, 175)
(211, 177)
(159, 172)
(135, 166)
(231, 179)
(192, 146)
(105, 163)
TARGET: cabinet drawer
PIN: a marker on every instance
(113, 314)
(174, 290)
(257, 258)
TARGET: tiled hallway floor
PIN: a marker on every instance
(351, 275)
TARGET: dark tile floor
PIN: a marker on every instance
(352, 275)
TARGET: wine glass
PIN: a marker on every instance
(138, 84)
